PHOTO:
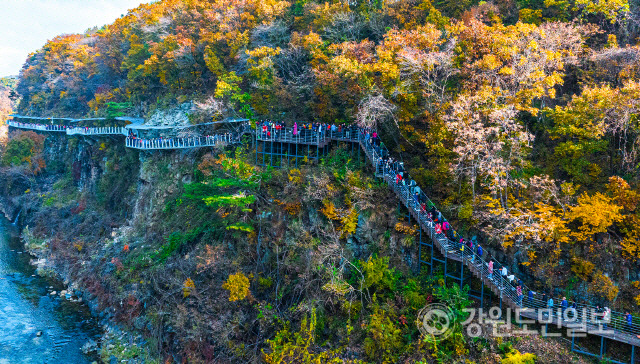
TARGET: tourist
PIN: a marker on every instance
(606, 317)
(490, 269)
(597, 315)
(445, 227)
(519, 293)
(438, 228)
(416, 198)
(563, 305)
(629, 320)
(503, 272)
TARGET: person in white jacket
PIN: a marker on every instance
(606, 317)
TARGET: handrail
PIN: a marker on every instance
(182, 143)
(41, 127)
(105, 130)
(70, 130)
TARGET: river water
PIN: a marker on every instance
(27, 308)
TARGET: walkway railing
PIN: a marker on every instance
(107, 130)
(182, 143)
(40, 127)
(69, 130)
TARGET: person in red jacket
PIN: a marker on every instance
(438, 228)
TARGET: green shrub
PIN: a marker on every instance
(384, 338)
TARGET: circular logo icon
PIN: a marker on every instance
(435, 321)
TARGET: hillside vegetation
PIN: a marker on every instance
(520, 119)
(520, 116)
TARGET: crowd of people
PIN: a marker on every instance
(312, 131)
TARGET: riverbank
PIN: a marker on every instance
(114, 344)
(37, 324)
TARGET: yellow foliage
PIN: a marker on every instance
(300, 347)
(622, 193)
(582, 268)
(238, 287)
(610, 9)
(236, 167)
(631, 242)
(532, 257)
(348, 218)
(329, 210)
(349, 223)
(554, 228)
(406, 229)
(292, 208)
(187, 287)
(515, 357)
(295, 176)
(531, 16)
(597, 213)
(78, 245)
(603, 286)
(261, 63)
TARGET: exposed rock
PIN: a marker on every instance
(172, 117)
(89, 347)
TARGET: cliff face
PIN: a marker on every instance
(129, 229)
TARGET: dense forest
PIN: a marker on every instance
(520, 118)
